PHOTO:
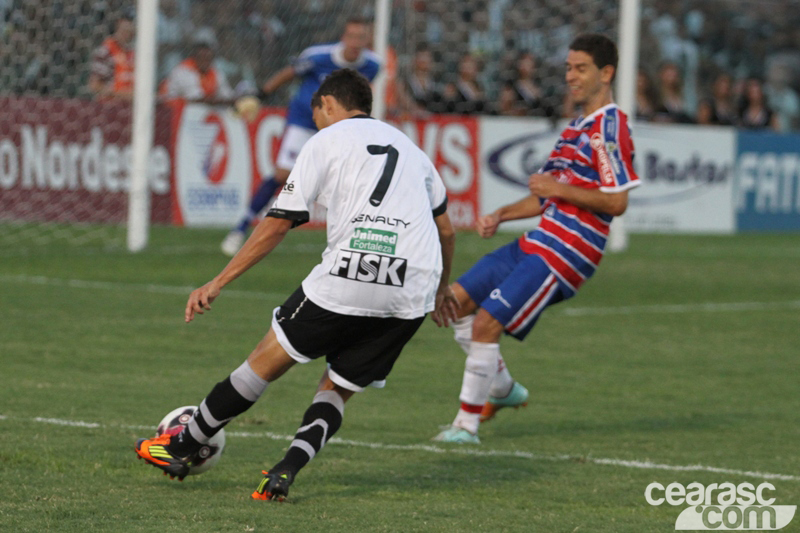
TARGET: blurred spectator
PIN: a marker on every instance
(754, 113)
(523, 96)
(196, 79)
(113, 61)
(647, 102)
(782, 98)
(672, 106)
(718, 109)
(234, 71)
(173, 28)
(419, 93)
(465, 96)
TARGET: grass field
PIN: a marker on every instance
(681, 352)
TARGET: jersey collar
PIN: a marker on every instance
(337, 55)
(585, 120)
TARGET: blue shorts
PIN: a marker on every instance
(513, 287)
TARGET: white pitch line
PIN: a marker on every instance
(138, 287)
(430, 448)
(702, 307)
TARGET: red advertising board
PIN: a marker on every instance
(68, 160)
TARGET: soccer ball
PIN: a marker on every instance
(209, 454)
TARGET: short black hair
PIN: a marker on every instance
(356, 19)
(350, 88)
(601, 48)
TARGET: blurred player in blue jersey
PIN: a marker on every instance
(578, 191)
(313, 65)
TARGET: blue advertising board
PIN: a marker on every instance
(768, 182)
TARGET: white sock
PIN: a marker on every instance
(502, 383)
(462, 331)
(479, 372)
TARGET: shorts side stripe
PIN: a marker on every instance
(534, 305)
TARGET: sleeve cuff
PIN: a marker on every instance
(441, 209)
(297, 217)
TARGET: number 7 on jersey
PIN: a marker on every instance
(388, 171)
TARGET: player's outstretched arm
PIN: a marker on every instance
(487, 225)
(267, 235)
(546, 186)
(278, 80)
(447, 305)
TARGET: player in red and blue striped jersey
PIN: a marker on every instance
(579, 190)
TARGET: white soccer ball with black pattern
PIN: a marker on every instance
(209, 454)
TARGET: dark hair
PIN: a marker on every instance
(355, 19)
(350, 89)
(601, 48)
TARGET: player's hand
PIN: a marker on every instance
(447, 307)
(487, 225)
(543, 185)
(200, 300)
(247, 107)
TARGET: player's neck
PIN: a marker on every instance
(601, 100)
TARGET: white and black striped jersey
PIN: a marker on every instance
(383, 256)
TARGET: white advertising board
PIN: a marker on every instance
(686, 172)
(511, 150)
(213, 172)
(687, 180)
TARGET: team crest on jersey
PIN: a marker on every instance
(611, 147)
(370, 268)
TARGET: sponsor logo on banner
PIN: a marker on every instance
(768, 181)
(723, 506)
(213, 173)
(687, 179)
(78, 168)
(518, 157)
(370, 268)
(452, 143)
(511, 150)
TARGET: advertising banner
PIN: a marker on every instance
(511, 150)
(213, 166)
(453, 144)
(687, 180)
(220, 159)
(69, 160)
(768, 182)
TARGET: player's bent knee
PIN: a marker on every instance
(486, 328)
(466, 305)
(327, 384)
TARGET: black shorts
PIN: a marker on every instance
(360, 350)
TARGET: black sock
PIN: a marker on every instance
(229, 398)
(321, 420)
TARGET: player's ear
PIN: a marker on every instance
(328, 103)
(607, 74)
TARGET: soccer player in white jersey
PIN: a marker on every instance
(386, 264)
(578, 191)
